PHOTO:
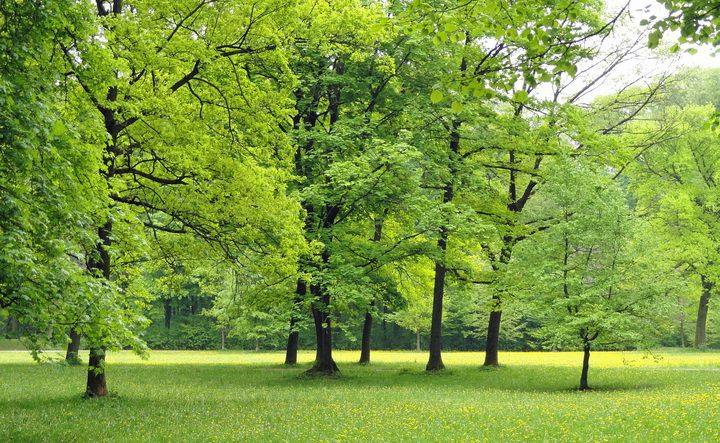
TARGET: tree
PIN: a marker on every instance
(160, 71)
(675, 184)
(594, 277)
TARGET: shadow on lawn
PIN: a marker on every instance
(540, 379)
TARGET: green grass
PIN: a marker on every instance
(11, 344)
(247, 396)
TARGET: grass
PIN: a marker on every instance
(248, 396)
(11, 344)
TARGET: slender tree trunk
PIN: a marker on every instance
(417, 341)
(367, 329)
(96, 385)
(168, 312)
(701, 325)
(367, 325)
(222, 338)
(72, 356)
(585, 368)
(257, 344)
(493, 336)
(435, 362)
(294, 335)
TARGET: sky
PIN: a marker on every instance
(645, 65)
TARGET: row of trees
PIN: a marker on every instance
(317, 160)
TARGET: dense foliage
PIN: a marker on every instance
(353, 174)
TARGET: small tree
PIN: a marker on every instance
(591, 276)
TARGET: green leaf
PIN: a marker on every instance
(436, 96)
(520, 96)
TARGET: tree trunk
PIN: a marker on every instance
(294, 335)
(493, 337)
(96, 386)
(222, 338)
(367, 325)
(701, 325)
(435, 362)
(585, 368)
(367, 329)
(72, 356)
(417, 341)
(257, 344)
(168, 312)
(324, 363)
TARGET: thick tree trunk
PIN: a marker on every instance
(96, 386)
(585, 368)
(324, 363)
(493, 338)
(168, 312)
(417, 341)
(701, 325)
(292, 347)
(72, 356)
(367, 329)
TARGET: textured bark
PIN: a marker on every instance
(701, 324)
(367, 329)
(72, 356)
(96, 385)
(585, 368)
(493, 338)
(324, 362)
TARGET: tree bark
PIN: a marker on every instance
(435, 362)
(168, 312)
(367, 329)
(222, 338)
(294, 335)
(72, 356)
(493, 337)
(585, 368)
(417, 341)
(324, 363)
(257, 344)
(367, 325)
(701, 324)
(96, 385)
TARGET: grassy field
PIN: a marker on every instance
(248, 396)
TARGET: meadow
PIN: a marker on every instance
(668, 395)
